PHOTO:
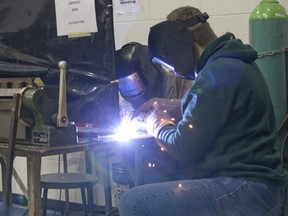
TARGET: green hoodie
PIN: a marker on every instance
(228, 125)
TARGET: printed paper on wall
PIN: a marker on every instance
(75, 16)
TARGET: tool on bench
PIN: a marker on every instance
(43, 113)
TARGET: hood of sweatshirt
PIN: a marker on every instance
(227, 46)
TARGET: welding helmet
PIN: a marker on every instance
(138, 77)
(171, 44)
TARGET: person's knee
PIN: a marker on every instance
(127, 200)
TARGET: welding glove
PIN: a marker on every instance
(139, 122)
(156, 120)
(158, 112)
(172, 106)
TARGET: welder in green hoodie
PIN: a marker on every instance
(226, 133)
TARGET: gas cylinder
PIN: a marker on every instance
(268, 35)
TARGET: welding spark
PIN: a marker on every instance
(126, 132)
(128, 129)
(151, 165)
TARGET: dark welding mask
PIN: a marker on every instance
(138, 78)
(171, 44)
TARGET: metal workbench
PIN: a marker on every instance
(34, 156)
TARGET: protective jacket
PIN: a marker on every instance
(228, 126)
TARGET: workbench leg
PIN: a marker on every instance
(88, 162)
(33, 184)
(107, 184)
(3, 170)
(138, 164)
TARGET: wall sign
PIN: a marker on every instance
(126, 6)
(75, 17)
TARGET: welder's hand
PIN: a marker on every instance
(157, 119)
(172, 106)
(139, 122)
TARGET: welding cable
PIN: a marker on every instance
(19, 70)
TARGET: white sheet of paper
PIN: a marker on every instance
(75, 16)
(126, 6)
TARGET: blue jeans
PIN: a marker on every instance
(221, 196)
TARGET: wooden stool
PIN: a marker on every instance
(69, 181)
